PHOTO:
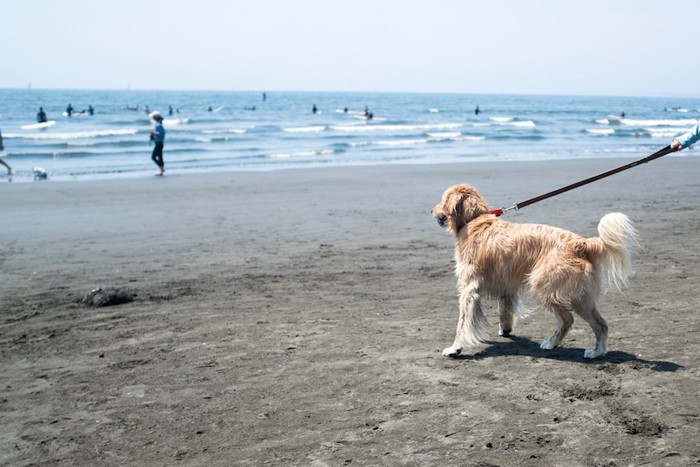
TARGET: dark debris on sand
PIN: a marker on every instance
(100, 297)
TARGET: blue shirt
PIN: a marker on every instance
(689, 138)
(159, 133)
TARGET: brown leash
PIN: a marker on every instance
(522, 204)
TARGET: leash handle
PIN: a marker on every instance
(660, 153)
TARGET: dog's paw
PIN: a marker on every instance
(593, 353)
(451, 351)
(549, 344)
(505, 332)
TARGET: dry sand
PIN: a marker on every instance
(297, 318)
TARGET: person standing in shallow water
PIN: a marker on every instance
(2, 149)
(158, 137)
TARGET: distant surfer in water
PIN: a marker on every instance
(69, 110)
(314, 109)
(41, 116)
(158, 137)
(477, 111)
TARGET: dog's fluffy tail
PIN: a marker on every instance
(611, 251)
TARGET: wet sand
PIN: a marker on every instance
(298, 317)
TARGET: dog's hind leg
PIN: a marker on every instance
(600, 329)
(506, 315)
(564, 321)
(471, 326)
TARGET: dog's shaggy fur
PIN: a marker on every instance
(563, 271)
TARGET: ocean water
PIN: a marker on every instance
(282, 132)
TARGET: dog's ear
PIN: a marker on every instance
(466, 204)
(453, 202)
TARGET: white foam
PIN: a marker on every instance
(666, 132)
(507, 121)
(291, 155)
(175, 121)
(659, 122)
(78, 134)
(452, 136)
(600, 131)
(360, 144)
(445, 135)
(236, 131)
(524, 124)
(395, 128)
(401, 142)
(305, 129)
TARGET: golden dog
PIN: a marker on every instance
(563, 271)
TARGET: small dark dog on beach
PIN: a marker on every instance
(563, 271)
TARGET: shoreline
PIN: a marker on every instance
(27, 177)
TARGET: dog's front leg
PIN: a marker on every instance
(472, 322)
(506, 315)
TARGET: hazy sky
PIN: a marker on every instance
(582, 47)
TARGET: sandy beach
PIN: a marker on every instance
(298, 317)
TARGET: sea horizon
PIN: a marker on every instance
(660, 95)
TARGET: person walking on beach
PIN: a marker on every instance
(158, 137)
(686, 139)
(41, 116)
(2, 150)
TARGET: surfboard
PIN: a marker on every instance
(38, 126)
(217, 109)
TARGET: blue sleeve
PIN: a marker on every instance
(689, 138)
(160, 133)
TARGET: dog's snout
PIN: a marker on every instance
(441, 220)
